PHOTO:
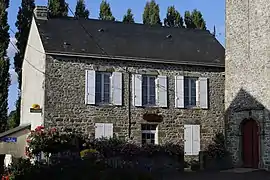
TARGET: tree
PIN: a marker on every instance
(128, 18)
(12, 120)
(173, 18)
(81, 10)
(151, 13)
(195, 20)
(23, 23)
(105, 12)
(58, 8)
(4, 70)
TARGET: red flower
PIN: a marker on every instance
(53, 129)
(39, 128)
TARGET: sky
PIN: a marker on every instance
(213, 12)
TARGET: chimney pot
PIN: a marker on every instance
(41, 12)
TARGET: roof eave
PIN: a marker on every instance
(139, 59)
(14, 130)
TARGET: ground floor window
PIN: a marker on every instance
(149, 134)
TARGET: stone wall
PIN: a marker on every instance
(248, 73)
(65, 106)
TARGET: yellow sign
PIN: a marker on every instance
(35, 106)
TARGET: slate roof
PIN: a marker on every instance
(131, 41)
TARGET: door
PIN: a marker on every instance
(250, 148)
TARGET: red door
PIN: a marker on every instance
(250, 146)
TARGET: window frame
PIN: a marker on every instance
(102, 91)
(147, 104)
(154, 132)
(189, 104)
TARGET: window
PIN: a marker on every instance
(102, 93)
(190, 92)
(149, 134)
(149, 90)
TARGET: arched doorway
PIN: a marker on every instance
(250, 143)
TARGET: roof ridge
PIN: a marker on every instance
(131, 24)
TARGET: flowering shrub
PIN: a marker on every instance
(47, 141)
(115, 147)
(90, 154)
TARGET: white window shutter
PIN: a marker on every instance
(179, 91)
(90, 88)
(108, 132)
(117, 88)
(197, 93)
(161, 91)
(137, 89)
(188, 140)
(196, 146)
(99, 130)
(203, 92)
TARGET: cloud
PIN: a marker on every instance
(11, 53)
(11, 50)
(13, 76)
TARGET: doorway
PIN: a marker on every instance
(250, 143)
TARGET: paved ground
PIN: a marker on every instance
(256, 175)
(241, 174)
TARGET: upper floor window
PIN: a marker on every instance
(149, 90)
(103, 84)
(190, 91)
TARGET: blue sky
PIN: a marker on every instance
(212, 10)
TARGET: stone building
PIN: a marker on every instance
(247, 83)
(149, 84)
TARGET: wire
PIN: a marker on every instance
(26, 59)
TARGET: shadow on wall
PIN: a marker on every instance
(245, 127)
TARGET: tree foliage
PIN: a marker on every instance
(58, 8)
(81, 10)
(151, 13)
(128, 18)
(173, 18)
(4, 64)
(194, 20)
(4, 70)
(105, 12)
(23, 23)
(12, 120)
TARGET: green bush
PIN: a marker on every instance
(217, 150)
(97, 158)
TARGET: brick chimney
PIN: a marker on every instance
(41, 12)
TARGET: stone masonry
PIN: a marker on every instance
(65, 106)
(248, 74)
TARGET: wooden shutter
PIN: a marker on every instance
(203, 92)
(117, 88)
(108, 130)
(161, 91)
(99, 130)
(188, 139)
(90, 82)
(196, 136)
(179, 91)
(137, 89)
